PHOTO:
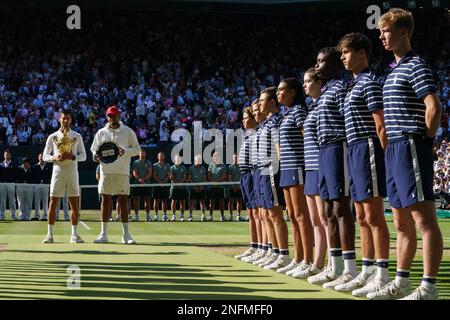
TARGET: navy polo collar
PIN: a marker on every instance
(408, 56)
(329, 84)
(354, 81)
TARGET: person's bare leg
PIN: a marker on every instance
(137, 205)
(367, 246)
(295, 228)
(303, 219)
(270, 230)
(280, 227)
(51, 219)
(424, 214)
(320, 239)
(106, 207)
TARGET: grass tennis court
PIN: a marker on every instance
(172, 260)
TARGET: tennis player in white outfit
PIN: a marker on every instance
(65, 174)
(114, 177)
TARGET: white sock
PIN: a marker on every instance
(74, 229)
(383, 269)
(336, 260)
(430, 285)
(402, 280)
(104, 228)
(51, 227)
(366, 263)
(350, 262)
(125, 229)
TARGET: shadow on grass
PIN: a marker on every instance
(133, 280)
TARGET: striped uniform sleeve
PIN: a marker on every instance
(373, 95)
(422, 80)
(275, 130)
(299, 117)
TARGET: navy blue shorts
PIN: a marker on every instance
(247, 190)
(366, 170)
(333, 181)
(409, 171)
(312, 183)
(292, 177)
(270, 191)
(256, 193)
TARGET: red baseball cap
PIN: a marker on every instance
(113, 111)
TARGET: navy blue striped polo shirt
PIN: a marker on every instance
(408, 83)
(268, 138)
(291, 139)
(244, 160)
(311, 139)
(331, 126)
(364, 97)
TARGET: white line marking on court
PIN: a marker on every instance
(85, 225)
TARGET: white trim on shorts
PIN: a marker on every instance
(346, 180)
(417, 173)
(273, 187)
(373, 168)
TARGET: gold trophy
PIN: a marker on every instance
(64, 145)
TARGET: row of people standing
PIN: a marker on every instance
(144, 172)
(359, 140)
(29, 185)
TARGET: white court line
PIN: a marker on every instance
(85, 225)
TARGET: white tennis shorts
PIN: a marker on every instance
(62, 182)
(114, 184)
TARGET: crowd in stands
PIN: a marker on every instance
(167, 71)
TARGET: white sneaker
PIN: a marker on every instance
(182, 218)
(75, 238)
(308, 271)
(255, 256)
(359, 282)
(238, 218)
(246, 253)
(48, 239)
(265, 255)
(390, 292)
(127, 239)
(300, 266)
(422, 293)
(222, 218)
(342, 279)
(326, 275)
(231, 218)
(174, 218)
(155, 217)
(102, 238)
(203, 218)
(250, 257)
(282, 261)
(267, 260)
(210, 218)
(289, 267)
(164, 218)
(190, 218)
(136, 218)
(374, 285)
(148, 218)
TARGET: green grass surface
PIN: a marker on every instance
(172, 260)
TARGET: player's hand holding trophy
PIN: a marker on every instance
(64, 145)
